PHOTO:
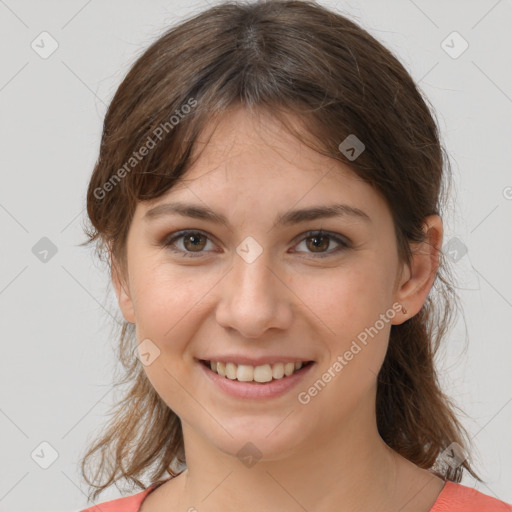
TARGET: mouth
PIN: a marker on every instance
(261, 374)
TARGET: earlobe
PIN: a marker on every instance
(122, 293)
(418, 280)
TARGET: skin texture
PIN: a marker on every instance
(288, 301)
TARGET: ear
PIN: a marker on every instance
(418, 278)
(122, 292)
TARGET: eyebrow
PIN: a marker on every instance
(283, 219)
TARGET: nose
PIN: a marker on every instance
(254, 298)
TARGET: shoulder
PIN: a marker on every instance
(126, 504)
(459, 498)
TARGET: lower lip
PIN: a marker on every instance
(256, 390)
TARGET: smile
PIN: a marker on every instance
(274, 380)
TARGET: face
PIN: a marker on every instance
(263, 285)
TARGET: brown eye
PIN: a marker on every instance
(195, 242)
(188, 243)
(318, 243)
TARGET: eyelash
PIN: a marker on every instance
(169, 242)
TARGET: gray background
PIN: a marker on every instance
(56, 316)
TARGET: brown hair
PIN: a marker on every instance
(281, 57)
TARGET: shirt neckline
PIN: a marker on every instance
(441, 496)
(448, 485)
(150, 489)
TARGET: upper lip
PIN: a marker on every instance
(255, 361)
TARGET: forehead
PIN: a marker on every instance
(240, 135)
(255, 149)
(252, 159)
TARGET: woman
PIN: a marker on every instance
(268, 193)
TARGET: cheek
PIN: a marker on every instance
(167, 306)
(161, 295)
(346, 298)
(168, 302)
(347, 305)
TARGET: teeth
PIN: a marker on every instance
(231, 371)
(248, 373)
(278, 371)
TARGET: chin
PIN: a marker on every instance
(264, 440)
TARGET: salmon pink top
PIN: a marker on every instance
(453, 498)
